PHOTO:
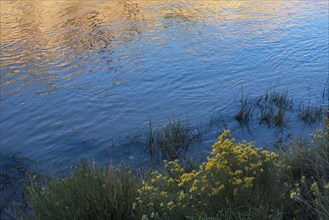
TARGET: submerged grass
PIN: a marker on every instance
(281, 99)
(172, 140)
(273, 106)
(279, 117)
(311, 114)
(245, 113)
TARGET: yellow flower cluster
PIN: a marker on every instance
(295, 191)
(317, 188)
(320, 134)
(231, 171)
(326, 186)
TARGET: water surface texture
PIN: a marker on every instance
(76, 76)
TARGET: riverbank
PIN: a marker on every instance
(237, 180)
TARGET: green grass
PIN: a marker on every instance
(171, 141)
(152, 146)
(249, 213)
(89, 192)
(307, 164)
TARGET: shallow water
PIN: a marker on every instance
(79, 76)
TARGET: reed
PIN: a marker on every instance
(172, 140)
(245, 113)
(311, 114)
(273, 106)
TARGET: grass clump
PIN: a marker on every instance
(89, 192)
(245, 113)
(172, 140)
(311, 114)
(281, 100)
(273, 106)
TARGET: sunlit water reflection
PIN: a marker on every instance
(78, 76)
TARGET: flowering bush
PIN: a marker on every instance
(234, 175)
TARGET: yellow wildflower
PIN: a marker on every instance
(294, 195)
(326, 186)
(164, 193)
(181, 195)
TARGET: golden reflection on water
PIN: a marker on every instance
(44, 42)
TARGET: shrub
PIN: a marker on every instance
(236, 175)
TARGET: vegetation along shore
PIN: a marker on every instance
(237, 181)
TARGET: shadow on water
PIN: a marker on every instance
(12, 180)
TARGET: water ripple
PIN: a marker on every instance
(102, 67)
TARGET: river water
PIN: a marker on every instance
(78, 77)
